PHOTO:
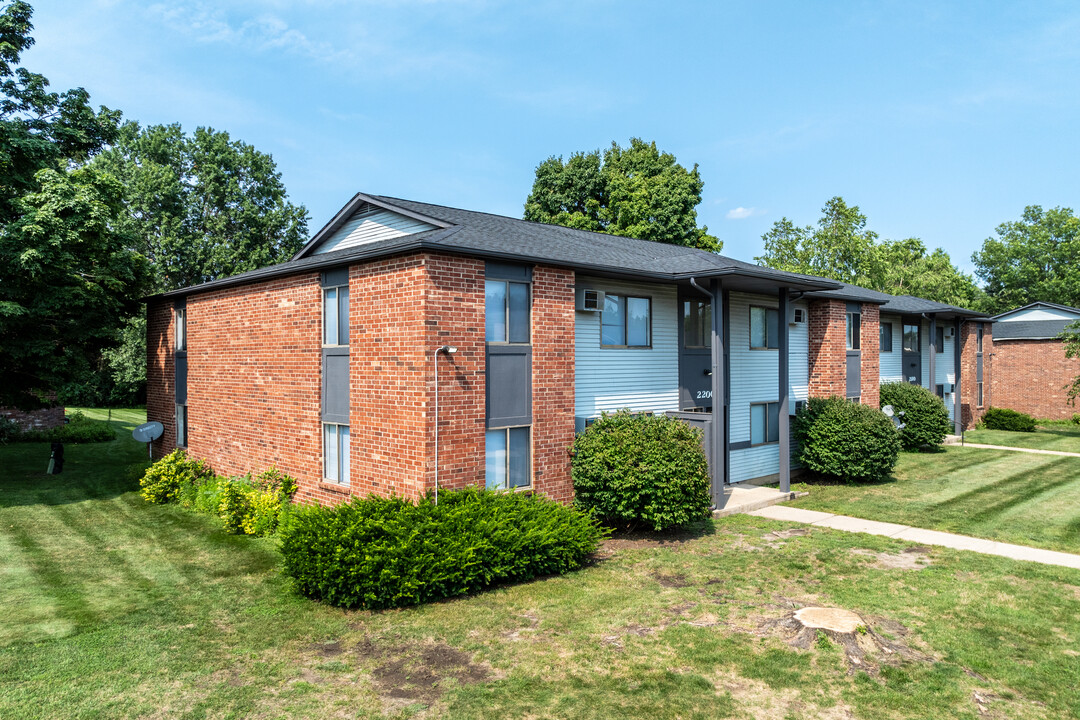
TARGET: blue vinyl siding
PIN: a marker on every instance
(943, 372)
(892, 369)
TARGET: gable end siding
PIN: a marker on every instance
(371, 224)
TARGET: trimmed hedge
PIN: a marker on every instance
(649, 470)
(846, 440)
(387, 552)
(925, 418)
(1005, 419)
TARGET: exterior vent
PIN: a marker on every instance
(590, 300)
(798, 315)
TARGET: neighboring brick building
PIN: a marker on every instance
(410, 346)
(1031, 372)
(40, 419)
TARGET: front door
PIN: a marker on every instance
(695, 352)
(912, 353)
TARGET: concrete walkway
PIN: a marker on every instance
(1017, 449)
(747, 498)
(917, 535)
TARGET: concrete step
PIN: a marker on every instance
(738, 499)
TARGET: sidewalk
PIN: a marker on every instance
(918, 535)
(1015, 449)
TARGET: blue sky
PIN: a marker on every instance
(939, 121)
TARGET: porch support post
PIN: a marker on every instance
(719, 394)
(933, 354)
(958, 408)
(784, 420)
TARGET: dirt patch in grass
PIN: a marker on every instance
(761, 702)
(642, 539)
(911, 558)
(673, 580)
(408, 673)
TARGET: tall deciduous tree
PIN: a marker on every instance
(1071, 338)
(202, 206)
(1032, 259)
(636, 191)
(842, 248)
(67, 273)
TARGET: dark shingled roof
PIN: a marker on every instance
(1029, 329)
(902, 304)
(496, 237)
(1040, 303)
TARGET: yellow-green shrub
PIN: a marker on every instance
(174, 476)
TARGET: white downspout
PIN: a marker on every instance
(449, 350)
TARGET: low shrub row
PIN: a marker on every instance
(1005, 419)
(388, 552)
(246, 505)
(846, 440)
(77, 429)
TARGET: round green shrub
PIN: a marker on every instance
(647, 470)
(846, 440)
(387, 552)
(1005, 419)
(925, 418)
(170, 477)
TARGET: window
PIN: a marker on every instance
(764, 423)
(507, 463)
(979, 341)
(886, 337)
(626, 322)
(336, 453)
(506, 309)
(181, 426)
(911, 338)
(979, 394)
(336, 315)
(181, 328)
(854, 326)
(940, 390)
(939, 338)
(697, 324)
(764, 328)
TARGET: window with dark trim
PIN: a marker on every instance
(979, 394)
(336, 453)
(181, 328)
(911, 338)
(506, 311)
(886, 337)
(507, 463)
(697, 324)
(854, 329)
(939, 337)
(764, 328)
(764, 423)
(979, 340)
(939, 389)
(181, 426)
(626, 321)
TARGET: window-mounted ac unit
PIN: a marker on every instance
(948, 332)
(797, 316)
(590, 300)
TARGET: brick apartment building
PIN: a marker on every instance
(1032, 373)
(411, 345)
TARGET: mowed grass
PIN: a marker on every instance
(1065, 438)
(1014, 497)
(116, 608)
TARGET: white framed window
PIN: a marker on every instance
(508, 463)
(854, 330)
(764, 423)
(336, 453)
(626, 322)
(336, 315)
(506, 312)
(181, 328)
(764, 328)
(181, 426)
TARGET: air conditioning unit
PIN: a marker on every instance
(948, 332)
(797, 316)
(590, 300)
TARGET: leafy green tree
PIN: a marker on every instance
(202, 206)
(1032, 259)
(842, 248)
(67, 272)
(636, 191)
(1071, 337)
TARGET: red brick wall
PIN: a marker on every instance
(553, 381)
(828, 348)
(870, 341)
(1031, 376)
(160, 378)
(40, 419)
(970, 412)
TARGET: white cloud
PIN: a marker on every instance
(741, 213)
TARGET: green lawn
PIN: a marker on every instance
(115, 608)
(998, 494)
(1053, 437)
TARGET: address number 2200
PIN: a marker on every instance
(704, 394)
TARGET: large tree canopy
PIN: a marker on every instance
(1035, 258)
(842, 248)
(67, 272)
(633, 192)
(202, 206)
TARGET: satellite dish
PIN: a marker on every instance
(148, 432)
(888, 410)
